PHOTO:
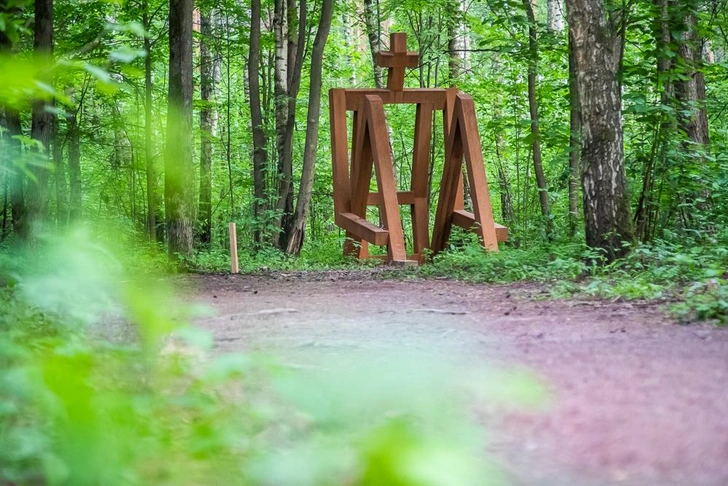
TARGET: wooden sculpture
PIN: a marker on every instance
(371, 150)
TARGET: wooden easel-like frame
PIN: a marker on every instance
(371, 150)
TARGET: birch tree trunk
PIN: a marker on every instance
(554, 16)
(574, 141)
(373, 24)
(295, 243)
(597, 52)
(179, 187)
(297, 32)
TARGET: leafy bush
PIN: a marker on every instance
(688, 271)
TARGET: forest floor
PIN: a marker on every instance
(633, 397)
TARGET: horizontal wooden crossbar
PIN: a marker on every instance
(403, 198)
(362, 228)
(466, 220)
(437, 97)
(390, 59)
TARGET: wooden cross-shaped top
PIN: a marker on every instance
(397, 60)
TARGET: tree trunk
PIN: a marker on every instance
(59, 173)
(296, 50)
(295, 242)
(454, 47)
(148, 130)
(554, 16)
(208, 128)
(373, 26)
(597, 52)
(11, 154)
(533, 55)
(74, 164)
(179, 187)
(42, 123)
(260, 140)
(690, 86)
(284, 164)
(574, 141)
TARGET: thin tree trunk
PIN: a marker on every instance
(574, 141)
(597, 52)
(455, 54)
(690, 87)
(281, 97)
(179, 187)
(74, 163)
(10, 153)
(374, 35)
(208, 128)
(148, 131)
(42, 122)
(296, 51)
(295, 243)
(533, 55)
(260, 140)
(59, 173)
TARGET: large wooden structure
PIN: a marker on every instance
(371, 151)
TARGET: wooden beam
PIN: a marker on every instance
(466, 220)
(382, 154)
(451, 176)
(362, 228)
(436, 96)
(403, 198)
(482, 209)
(420, 177)
(339, 150)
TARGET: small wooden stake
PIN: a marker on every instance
(233, 248)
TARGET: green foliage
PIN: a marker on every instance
(690, 275)
(103, 382)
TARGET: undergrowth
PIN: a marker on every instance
(690, 276)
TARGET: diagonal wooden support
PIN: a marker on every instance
(464, 141)
(376, 134)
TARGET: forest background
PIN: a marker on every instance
(165, 121)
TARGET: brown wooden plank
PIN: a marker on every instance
(381, 151)
(353, 245)
(466, 220)
(390, 60)
(436, 96)
(420, 177)
(403, 198)
(450, 96)
(339, 150)
(448, 188)
(482, 209)
(362, 228)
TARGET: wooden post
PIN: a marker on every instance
(233, 248)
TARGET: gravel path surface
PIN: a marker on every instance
(634, 398)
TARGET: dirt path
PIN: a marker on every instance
(634, 398)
